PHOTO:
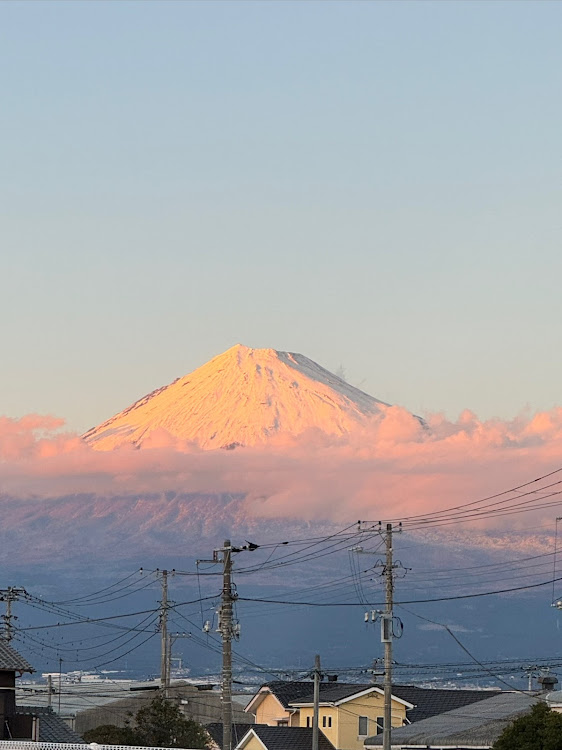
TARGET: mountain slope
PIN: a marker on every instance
(242, 397)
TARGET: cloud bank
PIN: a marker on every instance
(392, 468)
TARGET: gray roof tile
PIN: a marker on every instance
(289, 738)
(11, 661)
(426, 701)
(335, 691)
(477, 724)
(51, 727)
(288, 692)
(238, 731)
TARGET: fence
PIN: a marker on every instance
(27, 745)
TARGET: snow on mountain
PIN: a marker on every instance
(242, 397)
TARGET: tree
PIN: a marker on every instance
(539, 730)
(109, 734)
(160, 724)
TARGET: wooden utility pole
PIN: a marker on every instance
(316, 712)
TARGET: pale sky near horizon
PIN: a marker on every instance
(376, 185)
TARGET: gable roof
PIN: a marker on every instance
(336, 694)
(423, 702)
(51, 727)
(432, 701)
(285, 738)
(285, 692)
(11, 661)
(238, 732)
(475, 725)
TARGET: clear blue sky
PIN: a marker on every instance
(376, 185)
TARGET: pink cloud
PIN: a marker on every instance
(392, 468)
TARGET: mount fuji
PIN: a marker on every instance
(242, 397)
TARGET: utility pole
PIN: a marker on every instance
(387, 624)
(60, 679)
(164, 670)
(172, 638)
(226, 634)
(317, 678)
(228, 630)
(9, 595)
(387, 637)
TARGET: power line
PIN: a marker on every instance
(414, 601)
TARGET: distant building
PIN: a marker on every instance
(201, 705)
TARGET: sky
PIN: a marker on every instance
(376, 185)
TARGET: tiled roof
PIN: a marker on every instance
(51, 727)
(334, 691)
(289, 738)
(479, 724)
(432, 701)
(287, 692)
(11, 661)
(238, 731)
(426, 701)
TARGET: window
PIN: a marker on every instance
(380, 724)
(323, 721)
(363, 726)
(327, 721)
(283, 723)
(308, 721)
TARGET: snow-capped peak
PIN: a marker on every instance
(242, 397)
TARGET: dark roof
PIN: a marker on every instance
(51, 727)
(477, 725)
(289, 738)
(11, 661)
(432, 701)
(334, 691)
(238, 731)
(426, 701)
(287, 692)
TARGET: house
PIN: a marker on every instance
(432, 701)
(477, 725)
(51, 727)
(263, 737)
(272, 703)
(349, 713)
(215, 733)
(39, 724)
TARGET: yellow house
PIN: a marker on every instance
(263, 737)
(271, 705)
(349, 714)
